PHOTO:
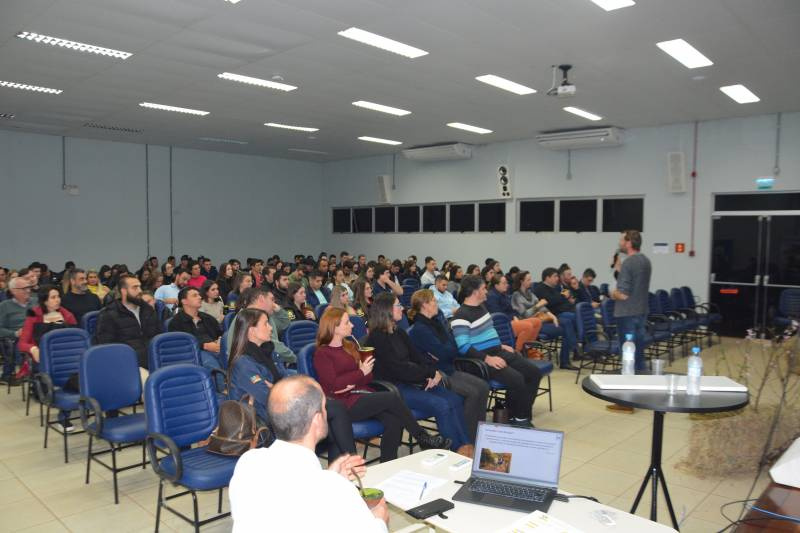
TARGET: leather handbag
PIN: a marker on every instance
(236, 431)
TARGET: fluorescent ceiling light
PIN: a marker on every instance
(307, 151)
(115, 129)
(289, 127)
(163, 107)
(379, 140)
(25, 87)
(740, 94)
(581, 113)
(611, 5)
(507, 85)
(467, 127)
(257, 81)
(73, 45)
(382, 108)
(384, 43)
(220, 140)
(685, 53)
(233, 1)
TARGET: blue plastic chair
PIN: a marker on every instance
(604, 290)
(300, 333)
(181, 410)
(403, 323)
(788, 307)
(109, 380)
(60, 354)
(408, 292)
(320, 310)
(359, 327)
(410, 282)
(177, 347)
(89, 322)
(227, 321)
(594, 345)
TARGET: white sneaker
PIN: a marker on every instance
(68, 428)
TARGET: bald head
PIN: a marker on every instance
(293, 403)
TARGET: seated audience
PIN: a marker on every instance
(202, 326)
(13, 313)
(128, 320)
(526, 304)
(281, 289)
(497, 301)
(298, 309)
(341, 372)
(211, 302)
(340, 299)
(431, 334)
(397, 360)
(558, 303)
(168, 294)
(362, 297)
(256, 268)
(339, 281)
(307, 498)
(251, 370)
(77, 298)
(262, 299)
(428, 277)
(565, 285)
(444, 298)
(241, 283)
(197, 278)
(454, 279)
(588, 292)
(207, 269)
(315, 294)
(473, 270)
(476, 337)
(384, 283)
(225, 279)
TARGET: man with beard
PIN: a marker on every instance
(78, 299)
(128, 320)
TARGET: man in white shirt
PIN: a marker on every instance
(444, 298)
(429, 276)
(284, 487)
(169, 293)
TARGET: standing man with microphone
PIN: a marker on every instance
(631, 295)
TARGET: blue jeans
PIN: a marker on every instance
(12, 356)
(210, 360)
(447, 407)
(636, 326)
(566, 322)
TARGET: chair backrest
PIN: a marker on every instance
(654, 306)
(789, 303)
(502, 324)
(89, 322)
(408, 292)
(607, 312)
(166, 324)
(223, 352)
(676, 297)
(320, 310)
(305, 361)
(410, 282)
(227, 321)
(404, 323)
(161, 310)
(300, 333)
(664, 301)
(109, 373)
(60, 353)
(359, 326)
(604, 289)
(180, 402)
(688, 296)
(585, 322)
(173, 348)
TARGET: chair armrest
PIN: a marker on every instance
(97, 412)
(172, 448)
(690, 313)
(224, 378)
(472, 366)
(384, 386)
(539, 346)
(44, 388)
(601, 333)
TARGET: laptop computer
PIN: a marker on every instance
(514, 468)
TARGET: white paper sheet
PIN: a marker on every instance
(404, 488)
(539, 522)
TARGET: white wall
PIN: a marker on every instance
(732, 153)
(224, 205)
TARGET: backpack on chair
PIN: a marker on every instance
(236, 431)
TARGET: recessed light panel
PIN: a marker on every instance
(289, 127)
(684, 52)
(740, 94)
(467, 127)
(26, 87)
(379, 140)
(174, 109)
(220, 140)
(611, 5)
(257, 81)
(506, 85)
(382, 108)
(307, 151)
(384, 43)
(582, 113)
(73, 45)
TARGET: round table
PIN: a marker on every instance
(661, 402)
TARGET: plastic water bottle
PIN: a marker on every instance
(628, 356)
(694, 372)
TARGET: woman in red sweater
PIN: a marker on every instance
(345, 377)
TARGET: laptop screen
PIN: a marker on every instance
(528, 455)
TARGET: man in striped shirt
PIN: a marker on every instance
(476, 338)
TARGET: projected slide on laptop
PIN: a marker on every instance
(529, 455)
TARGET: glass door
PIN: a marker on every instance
(782, 261)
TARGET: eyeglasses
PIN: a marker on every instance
(398, 305)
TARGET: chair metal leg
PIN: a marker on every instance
(89, 459)
(159, 502)
(219, 503)
(144, 456)
(66, 450)
(114, 472)
(28, 384)
(196, 513)
(46, 425)
(550, 392)
(41, 415)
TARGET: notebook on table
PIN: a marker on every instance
(514, 468)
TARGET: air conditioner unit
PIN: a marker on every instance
(441, 152)
(572, 140)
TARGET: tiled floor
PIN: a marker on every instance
(605, 455)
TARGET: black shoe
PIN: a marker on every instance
(524, 423)
(568, 367)
(428, 441)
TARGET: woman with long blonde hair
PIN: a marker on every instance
(345, 377)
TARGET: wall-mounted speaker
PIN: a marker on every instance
(504, 182)
(676, 173)
(384, 189)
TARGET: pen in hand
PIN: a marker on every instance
(424, 486)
